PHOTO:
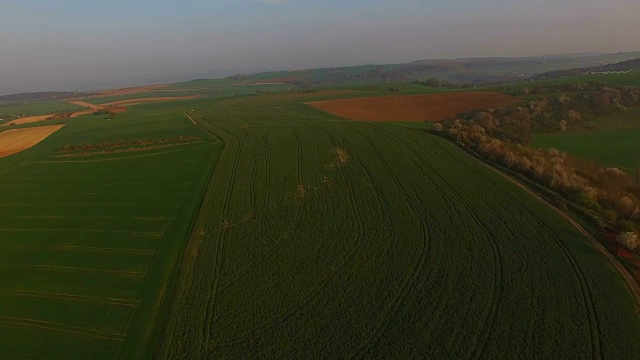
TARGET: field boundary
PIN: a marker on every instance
(631, 282)
(160, 331)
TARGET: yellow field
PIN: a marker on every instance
(28, 120)
(17, 140)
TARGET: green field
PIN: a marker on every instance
(616, 147)
(284, 232)
(89, 244)
(321, 238)
(38, 108)
(615, 143)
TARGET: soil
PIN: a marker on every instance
(17, 140)
(428, 107)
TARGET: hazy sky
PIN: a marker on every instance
(91, 44)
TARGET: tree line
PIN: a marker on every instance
(610, 195)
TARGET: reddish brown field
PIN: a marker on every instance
(429, 107)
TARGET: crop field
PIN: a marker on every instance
(429, 107)
(615, 143)
(613, 147)
(322, 238)
(89, 241)
(37, 108)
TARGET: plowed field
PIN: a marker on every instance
(429, 107)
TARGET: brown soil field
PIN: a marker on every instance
(131, 102)
(17, 140)
(428, 107)
(28, 120)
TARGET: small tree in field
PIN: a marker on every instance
(629, 240)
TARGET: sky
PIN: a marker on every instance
(94, 44)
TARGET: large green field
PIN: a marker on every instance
(284, 232)
(321, 238)
(89, 244)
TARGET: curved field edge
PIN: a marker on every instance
(247, 290)
(632, 284)
(153, 346)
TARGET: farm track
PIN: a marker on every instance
(213, 292)
(72, 297)
(287, 312)
(73, 330)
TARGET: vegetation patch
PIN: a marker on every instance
(125, 146)
(609, 197)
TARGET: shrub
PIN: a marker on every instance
(610, 215)
(629, 240)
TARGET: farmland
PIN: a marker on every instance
(431, 107)
(283, 231)
(617, 147)
(326, 238)
(37, 108)
(17, 140)
(614, 143)
(90, 242)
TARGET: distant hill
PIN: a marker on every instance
(455, 72)
(40, 96)
(629, 65)
(472, 71)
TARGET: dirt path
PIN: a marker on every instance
(87, 105)
(207, 131)
(633, 285)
